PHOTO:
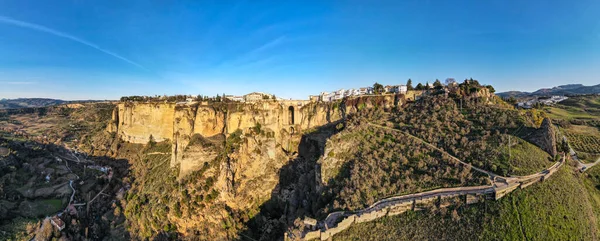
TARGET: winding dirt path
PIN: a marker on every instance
(500, 184)
(581, 166)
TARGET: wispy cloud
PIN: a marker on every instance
(40, 28)
(255, 54)
(267, 45)
(17, 82)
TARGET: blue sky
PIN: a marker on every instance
(107, 49)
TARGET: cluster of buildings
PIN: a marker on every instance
(543, 101)
(252, 97)
(341, 93)
(324, 96)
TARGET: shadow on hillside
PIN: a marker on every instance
(296, 195)
(30, 159)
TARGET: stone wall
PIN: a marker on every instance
(394, 207)
(342, 225)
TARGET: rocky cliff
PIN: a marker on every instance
(233, 151)
(544, 137)
(142, 122)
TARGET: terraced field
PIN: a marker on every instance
(585, 140)
(585, 143)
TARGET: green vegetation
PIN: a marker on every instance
(159, 199)
(401, 164)
(579, 120)
(589, 143)
(525, 158)
(147, 205)
(568, 113)
(591, 181)
(18, 229)
(553, 210)
(576, 108)
(53, 205)
(479, 134)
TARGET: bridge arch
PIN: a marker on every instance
(291, 115)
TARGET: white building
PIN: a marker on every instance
(235, 98)
(257, 96)
(402, 89)
(326, 96)
(363, 91)
(338, 95)
(388, 88)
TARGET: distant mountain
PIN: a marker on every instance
(28, 102)
(571, 89)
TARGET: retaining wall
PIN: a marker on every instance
(397, 205)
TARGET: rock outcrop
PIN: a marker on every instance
(142, 122)
(545, 137)
(235, 150)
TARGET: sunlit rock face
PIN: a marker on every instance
(282, 121)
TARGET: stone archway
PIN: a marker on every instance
(291, 115)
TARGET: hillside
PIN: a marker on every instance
(28, 102)
(558, 209)
(42, 179)
(22, 103)
(570, 197)
(230, 171)
(571, 89)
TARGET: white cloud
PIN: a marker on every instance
(40, 28)
(17, 82)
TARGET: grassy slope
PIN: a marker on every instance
(554, 210)
(568, 113)
(402, 165)
(585, 107)
(526, 158)
(584, 114)
(592, 184)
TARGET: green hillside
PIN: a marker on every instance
(558, 209)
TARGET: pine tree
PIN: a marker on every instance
(437, 84)
(419, 87)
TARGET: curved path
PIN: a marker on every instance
(341, 220)
(490, 174)
(581, 166)
(398, 204)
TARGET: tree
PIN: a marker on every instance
(409, 84)
(218, 99)
(491, 88)
(378, 88)
(437, 84)
(151, 141)
(427, 86)
(419, 87)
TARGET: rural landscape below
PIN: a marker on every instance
(299, 120)
(386, 160)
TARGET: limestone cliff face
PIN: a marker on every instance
(249, 175)
(137, 122)
(267, 135)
